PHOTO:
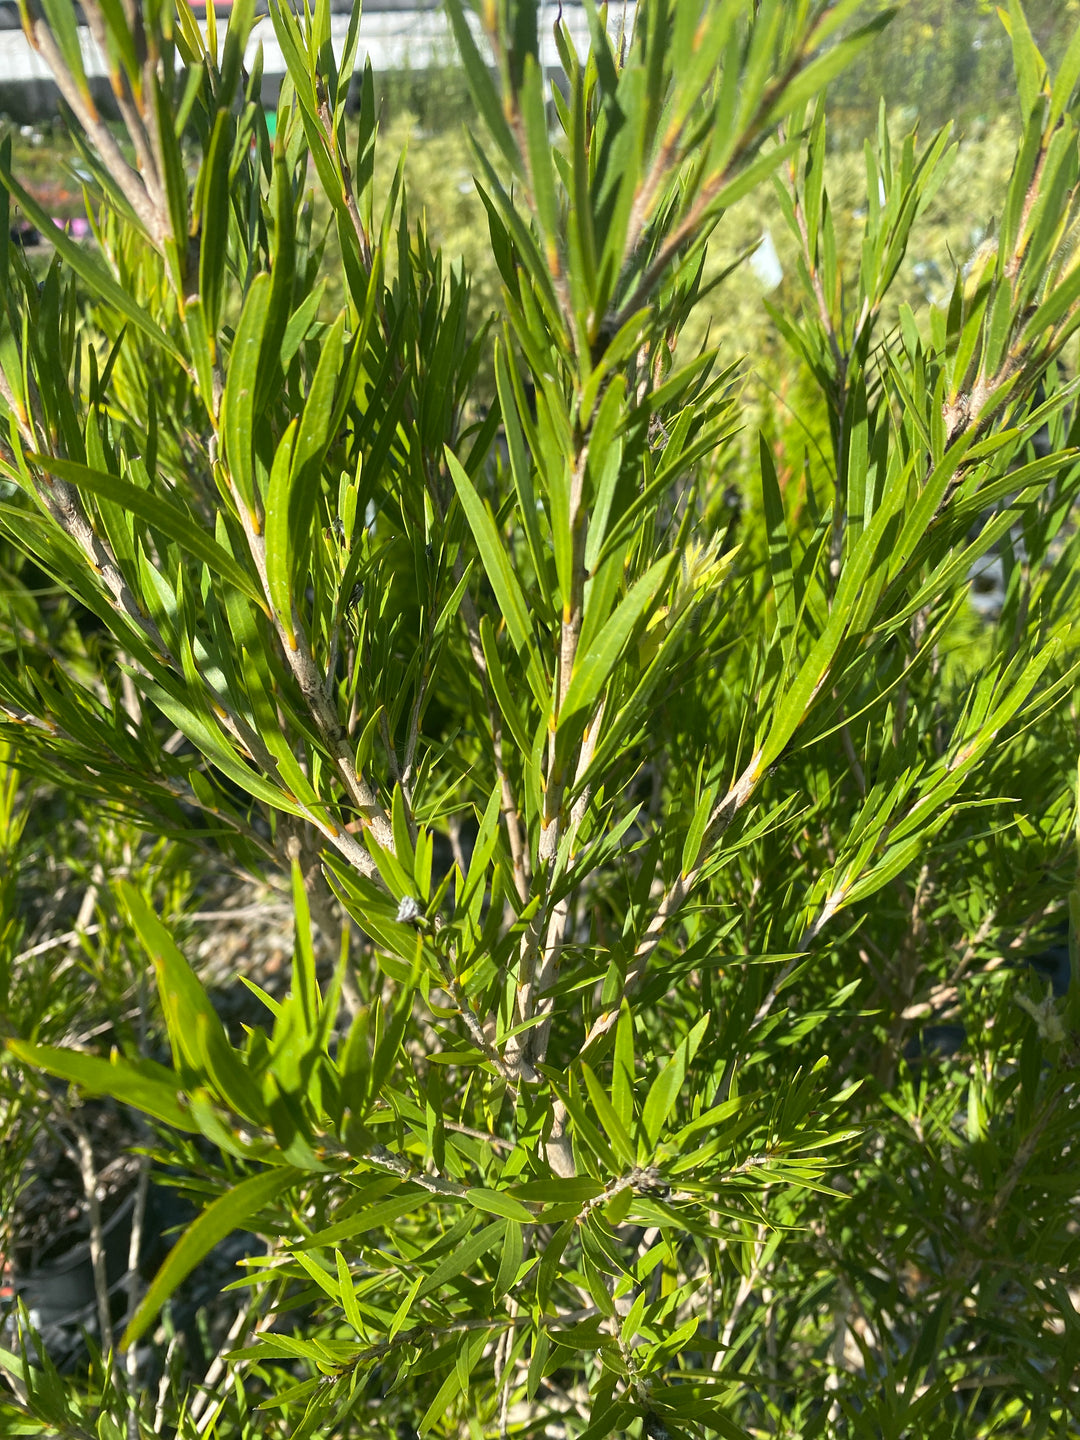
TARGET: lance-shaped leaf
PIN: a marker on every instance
(143, 1084)
(813, 78)
(779, 551)
(313, 438)
(229, 1212)
(156, 510)
(483, 87)
(214, 216)
(279, 540)
(195, 1029)
(594, 664)
(238, 402)
(606, 1113)
(665, 1089)
(499, 1202)
(462, 1257)
(493, 556)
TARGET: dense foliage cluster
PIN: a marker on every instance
(665, 833)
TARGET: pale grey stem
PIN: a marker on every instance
(478, 1037)
(454, 829)
(332, 663)
(134, 1280)
(69, 937)
(675, 896)
(645, 195)
(132, 703)
(216, 1368)
(412, 740)
(362, 237)
(64, 505)
(773, 991)
(97, 1243)
(129, 180)
(558, 1151)
(746, 1287)
(383, 1159)
(297, 652)
(852, 757)
(537, 932)
(519, 850)
(502, 1355)
(389, 748)
(547, 974)
(148, 157)
(163, 1385)
(548, 970)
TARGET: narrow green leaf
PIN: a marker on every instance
(216, 202)
(348, 1293)
(497, 678)
(314, 436)
(780, 563)
(326, 1282)
(510, 400)
(493, 555)
(499, 1202)
(282, 277)
(374, 1217)
(313, 439)
(195, 1029)
(573, 1190)
(63, 24)
(176, 184)
(279, 535)
(227, 1213)
(469, 1349)
(1065, 81)
(157, 511)
(197, 727)
(482, 87)
(146, 1086)
(402, 1312)
(541, 169)
(663, 1093)
(593, 669)
(238, 402)
(1028, 63)
(305, 986)
(509, 1265)
(814, 77)
(606, 1114)
(462, 1257)
(623, 1068)
(698, 825)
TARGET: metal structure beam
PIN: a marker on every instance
(396, 35)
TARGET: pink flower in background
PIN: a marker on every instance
(77, 226)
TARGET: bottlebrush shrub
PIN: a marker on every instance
(663, 838)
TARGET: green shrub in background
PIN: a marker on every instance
(640, 845)
(949, 59)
